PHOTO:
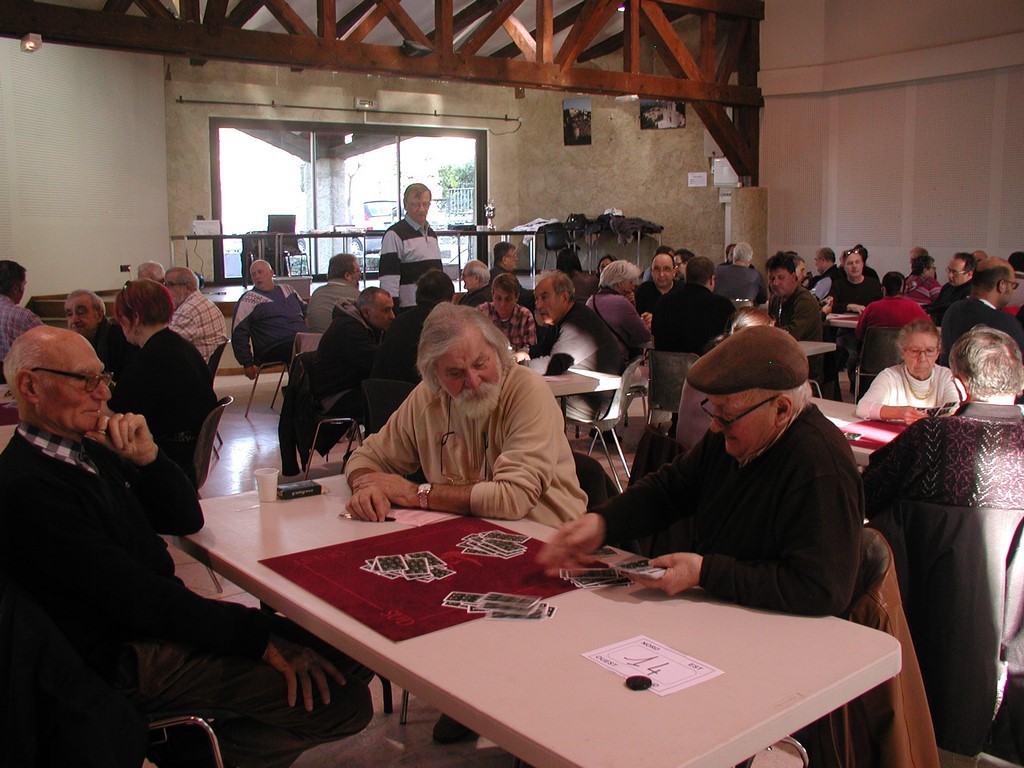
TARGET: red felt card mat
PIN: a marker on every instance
(875, 433)
(8, 413)
(400, 609)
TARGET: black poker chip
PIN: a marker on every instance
(638, 683)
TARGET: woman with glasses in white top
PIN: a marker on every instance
(904, 391)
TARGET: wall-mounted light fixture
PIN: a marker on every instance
(31, 42)
(414, 50)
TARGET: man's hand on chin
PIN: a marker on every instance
(127, 435)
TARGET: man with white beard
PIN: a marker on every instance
(487, 434)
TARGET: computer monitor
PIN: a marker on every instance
(281, 222)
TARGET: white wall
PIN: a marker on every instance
(83, 180)
(901, 128)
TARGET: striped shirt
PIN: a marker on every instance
(406, 252)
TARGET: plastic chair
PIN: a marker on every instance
(381, 398)
(260, 368)
(667, 374)
(610, 421)
(204, 443)
(214, 361)
(306, 342)
(162, 722)
(878, 352)
(556, 237)
(201, 460)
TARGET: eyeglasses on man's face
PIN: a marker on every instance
(1013, 283)
(91, 380)
(725, 422)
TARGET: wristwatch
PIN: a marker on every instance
(424, 495)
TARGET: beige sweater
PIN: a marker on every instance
(518, 456)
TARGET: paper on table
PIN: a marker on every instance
(418, 517)
(669, 670)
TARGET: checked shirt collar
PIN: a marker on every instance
(56, 447)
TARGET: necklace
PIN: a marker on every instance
(908, 385)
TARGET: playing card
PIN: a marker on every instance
(641, 568)
(538, 612)
(506, 602)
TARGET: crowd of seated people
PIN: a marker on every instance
(168, 383)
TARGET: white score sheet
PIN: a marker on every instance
(669, 670)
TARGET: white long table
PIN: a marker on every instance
(525, 685)
(812, 348)
(842, 320)
(842, 414)
(577, 382)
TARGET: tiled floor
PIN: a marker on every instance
(252, 442)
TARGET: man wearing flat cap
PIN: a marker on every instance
(773, 490)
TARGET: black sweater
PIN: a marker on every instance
(782, 532)
(86, 548)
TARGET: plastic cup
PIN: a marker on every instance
(266, 484)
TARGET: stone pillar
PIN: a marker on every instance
(750, 221)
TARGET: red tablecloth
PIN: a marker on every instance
(8, 414)
(401, 609)
(875, 434)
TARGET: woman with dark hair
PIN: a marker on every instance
(585, 283)
(922, 286)
(168, 381)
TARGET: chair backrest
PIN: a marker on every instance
(958, 566)
(214, 361)
(667, 374)
(204, 443)
(879, 351)
(382, 398)
(306, 342)
(555, 236)
(616, 409)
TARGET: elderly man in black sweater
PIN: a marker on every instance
(773, 490)
(83, 495)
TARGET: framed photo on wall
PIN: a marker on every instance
(656, 115)
(576, 121)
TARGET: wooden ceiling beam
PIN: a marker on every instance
(740, 9)
(521, 37)
(176, 37)
(708, 33)
(561, 22)
(407, 28)
(154, 9)
(243, 12)
(190, 10)
(731, 55)
(215, 16)
(367, 24)
(349, 21)
(631, 37)
(734, 143)
(443, 35)
(288, 18)
(595, 14)
(489, 26)
(117, 6)
(545, 33)
(326, 18)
